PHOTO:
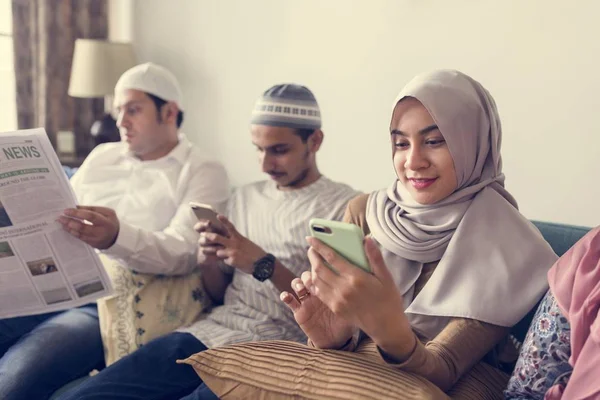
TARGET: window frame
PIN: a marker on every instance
(8, 108)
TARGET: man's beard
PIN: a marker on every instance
(298, 180)
(301, 176)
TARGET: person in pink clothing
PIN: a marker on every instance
(560, 358)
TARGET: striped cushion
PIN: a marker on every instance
(288, 370)
(483, 382)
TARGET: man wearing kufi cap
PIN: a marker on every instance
(250, 262)
(136, 194)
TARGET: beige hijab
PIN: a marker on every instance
(492, 260)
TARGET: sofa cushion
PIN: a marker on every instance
(288, 370)
(561, 238)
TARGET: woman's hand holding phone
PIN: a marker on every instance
(370, 302)
(325, 329)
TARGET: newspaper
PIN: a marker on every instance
(42, 267)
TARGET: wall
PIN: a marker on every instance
(538, 58)
(120, 20)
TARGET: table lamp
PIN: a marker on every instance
(97, 65)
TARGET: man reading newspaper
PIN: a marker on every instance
(135, 197)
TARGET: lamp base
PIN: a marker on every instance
(105, 130)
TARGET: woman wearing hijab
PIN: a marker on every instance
(454, 264)
(560, 357)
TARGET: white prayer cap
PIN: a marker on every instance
(153, 79)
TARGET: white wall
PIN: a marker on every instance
(540, 59)
(120, 18)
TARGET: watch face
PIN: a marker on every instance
(263, 268)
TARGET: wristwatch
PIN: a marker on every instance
(264, 267)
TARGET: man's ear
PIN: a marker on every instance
(315, 140)
(169, 112)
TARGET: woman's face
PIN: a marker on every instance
(421, 157)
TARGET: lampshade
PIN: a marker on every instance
(97, 65)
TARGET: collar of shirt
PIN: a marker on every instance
(179, 152)
(314, 187)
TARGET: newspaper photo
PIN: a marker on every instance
(42, 267)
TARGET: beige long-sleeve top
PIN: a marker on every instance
(460, 345)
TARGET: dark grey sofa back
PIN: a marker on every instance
(561, 237)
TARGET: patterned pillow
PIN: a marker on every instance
(146, 306)
(544, 358)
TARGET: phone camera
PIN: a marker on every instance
(321, 229)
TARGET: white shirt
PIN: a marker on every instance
(277, 221)
(156, 233)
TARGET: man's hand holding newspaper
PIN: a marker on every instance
(96, 226)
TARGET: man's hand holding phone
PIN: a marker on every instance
(220, 241)
(207, 252)
(208, 222)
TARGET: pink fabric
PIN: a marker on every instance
(575, 283)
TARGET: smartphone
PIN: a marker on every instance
(346, 239)
(206, 212)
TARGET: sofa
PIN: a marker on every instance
(561, 237)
